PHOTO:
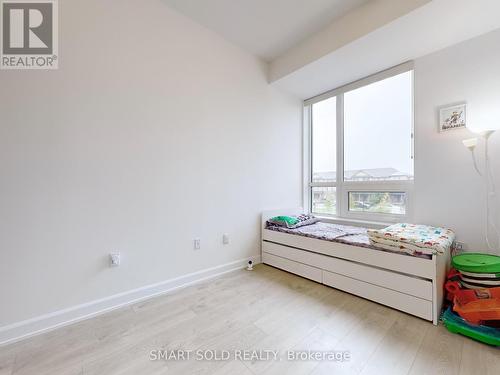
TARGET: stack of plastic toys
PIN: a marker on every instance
(473, 290)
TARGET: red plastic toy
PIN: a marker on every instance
(452, 284)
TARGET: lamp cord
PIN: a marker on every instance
(475, 164)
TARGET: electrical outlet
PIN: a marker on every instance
(225, 239)
(458, 248)
(114, 259)
(197, 244)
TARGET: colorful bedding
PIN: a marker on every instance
(413, 238)
(348, 235)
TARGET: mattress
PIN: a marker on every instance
(349, 235)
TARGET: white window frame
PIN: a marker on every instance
(344, 187)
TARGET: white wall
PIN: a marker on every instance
(447, 189)
(153, 131)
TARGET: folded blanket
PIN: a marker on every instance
(400, 246)
(413, 238)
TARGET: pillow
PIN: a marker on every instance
(284, 221)
(294, 221)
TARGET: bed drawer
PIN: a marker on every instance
(302, 256)
(401, 301)
(300, 269)
(391, 280)
(388, 279)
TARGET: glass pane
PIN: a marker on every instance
(324, 200)
(377, 131)
(324, 140)
(383, 202)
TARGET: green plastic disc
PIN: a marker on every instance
(477, 263)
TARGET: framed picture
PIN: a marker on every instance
(452, 117)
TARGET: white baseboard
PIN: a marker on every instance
(35, 326)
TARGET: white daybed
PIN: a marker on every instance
(407, 283)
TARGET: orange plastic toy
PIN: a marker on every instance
(477, 305)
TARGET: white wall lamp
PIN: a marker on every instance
(489, 184)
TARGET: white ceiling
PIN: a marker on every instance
(265, 28)
(416, 34)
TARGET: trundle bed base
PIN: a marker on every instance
(410, 284)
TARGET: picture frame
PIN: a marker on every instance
(453, 117)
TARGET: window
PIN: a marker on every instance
(324, 153)
(324, 157)
(378, 201)
(324, 200)
(377, 130)
(361, 145)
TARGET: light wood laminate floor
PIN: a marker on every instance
(266, 309)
